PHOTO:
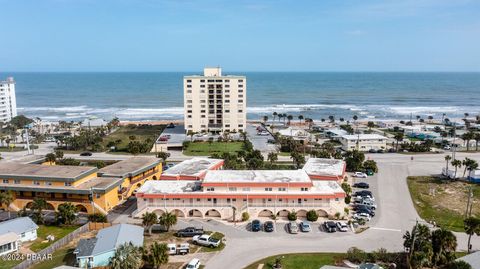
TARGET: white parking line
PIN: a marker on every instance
(385, 229)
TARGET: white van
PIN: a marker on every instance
(193, 264)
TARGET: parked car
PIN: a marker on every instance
(206, 240)
(342, 226)
(447, 147)
(193, 264)
(372, 151)
(190, 232)
(263, 133)
(330, 226)
(367, 211)
(305, 226)
(369, 172)
(293, 227)
(271, 141)
(361, 185)
(256, 225)
(268, 226)
(180, 249)
(364, 216)
(86, 153)
(380, 151)
(364, 193)
(369, 204)
(360, 175)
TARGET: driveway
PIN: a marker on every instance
(259, 142)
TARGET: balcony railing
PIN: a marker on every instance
(210, 204)
(56, 199)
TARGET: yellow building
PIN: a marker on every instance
(89, 189)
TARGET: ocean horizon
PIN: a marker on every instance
(142, 96)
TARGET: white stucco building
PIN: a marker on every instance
(215, 102)
(363, 142)
(8, 101)
(15, 231)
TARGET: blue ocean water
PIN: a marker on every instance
(151, 96)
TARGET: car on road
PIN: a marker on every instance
(330, 226)
(364, 216)
(256, 225)
(342, 226)
(193, 264)
(360, 175)
(206, 240)
(86, 153)
(447, 147)
(305, 226)
(190, 232)
(293, 227)
(268, 226)
(263, 133)
(361, 185)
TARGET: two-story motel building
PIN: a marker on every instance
(89, 189)
(225, 193)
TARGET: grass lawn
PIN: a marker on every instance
(218, 236)
(43, 231)
(300, 260)
(443, 202)
(63, 256)
(8, 149)
(207, 148)
(8, 264)
(141, 133)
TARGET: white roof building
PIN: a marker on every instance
(325, 169)
(363, 142)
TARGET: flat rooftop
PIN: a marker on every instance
(256, 176)
(129, 167)
(324, 167)
(194, 167)
(169, 186)
(363, 136)
(11, 170)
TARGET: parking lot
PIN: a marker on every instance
(259, 142)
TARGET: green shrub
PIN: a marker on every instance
(337, 215)
(312, 215)
(356, 255)
(348, 199)
(292, 216)
(245, 216)
(97, 217)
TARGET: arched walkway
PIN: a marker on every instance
(49, 207)
(213, 213)
(195, 213)
(302, 213)
(178, 213)
(265, 213)
(81, 208)
(283, 213)
(29, 205)
(159, 212)
(154, 177)
(322, 213)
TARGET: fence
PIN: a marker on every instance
(53, 247)
(95, 226)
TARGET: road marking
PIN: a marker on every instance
(385, 229)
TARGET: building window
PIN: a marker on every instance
(68, 184)
(240, 101)
(5, 181)
(189, 86)
(246, 189)
(240, 111)
(336, 199)
(232, 189)
(240, 80)
(202, 80)
(282, 189)
(304, 189)
(240, 125)
(36, 183)
(189, 80)
(268, 189)
(211, 189)
(189, 101)
(98, 196)
(189, 91)
(48, 183)
(16, 181)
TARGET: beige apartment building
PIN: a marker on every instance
(363, 142)
(215, 102)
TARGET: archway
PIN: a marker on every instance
(322, 213)
(283, 213)
(29, 205)
(154, 177)
(195, 213)
(159, 212)
(213, 213)
(178, 213)
(265, 213)
(49, 207)
(302, 213)
(81, 208)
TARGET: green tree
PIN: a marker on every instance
(312, 215)
(472, 226)
(370, 165)
(458, 265)
(418, 245)
(300, 118)
(447, 160)
(126, 256)
(265, 119)
(354, 160)
(148, 220)
(444, 244)
(66, 214)
(467, 137)
(167, 220)
(477, 140)
(398, 138)
(163, 155)
(370, 125)
(274, 115)
(158, 255)
(20, 121)
(50, 158)
(38, 205)
(290, 118)
(298, 159)
(59, 154)
(97, 217)
(292, 215)
(7, 198)
(457, 164)
(272, 157)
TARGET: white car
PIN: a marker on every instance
(263, 133)
(364, 216)
(342, 226)
(193, 264)
(360, 175)
(447, 147)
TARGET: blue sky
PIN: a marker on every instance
(175, 35)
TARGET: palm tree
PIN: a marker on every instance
(284, 116)
(322, 120)
(272, 157)
(370, 125)
(456, 163)
(300, 118)
(290, 118)
(467, 137)
(466, 164)
(355, 118)
(447, 160)
(67, 213)
(279, 116)
(477, 140)
(331, 118)
(126, 256)
(168, 220)
(148, 220)
(158, 255)
(472, 226)
(472, 166)
(444, 244)
(398, 137)
(38, 205)
(6, 198)
(265, 119)
(274, 115)
(430, 118)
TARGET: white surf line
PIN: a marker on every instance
(385, 229)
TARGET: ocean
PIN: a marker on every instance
(316, 95)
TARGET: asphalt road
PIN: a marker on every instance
(259, 142)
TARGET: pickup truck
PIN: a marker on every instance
(206, 240)
(190, 232)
